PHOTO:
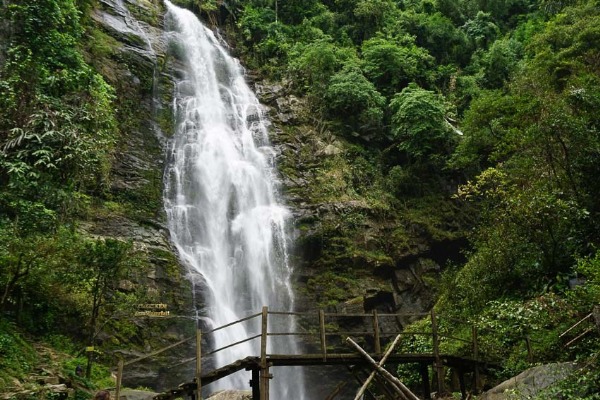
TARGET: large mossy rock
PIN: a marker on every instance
(231, 395)
(530, 382)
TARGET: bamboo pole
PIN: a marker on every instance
(389, 351)
(376, 332)
(199, 363)
(576, 325)
(439, 368)
(154, 353)
(119, 379)
(336, 391)
(402, 390)
(476, 373)
(264, 368)
(322, 334)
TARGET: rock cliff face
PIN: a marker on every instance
(136, 65)
(352, 253)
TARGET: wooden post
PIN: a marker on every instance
(426, 385)
(439, 368)
(199, 363)
(461, 382)
(476, 375)
(376, 332)
(255, 384)
(264, 368)
(322, 334)
(529, 349)
(119, 379)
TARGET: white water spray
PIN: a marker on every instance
(221, 200)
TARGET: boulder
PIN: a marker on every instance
(530, 382)
(231, 395)
(130, 394)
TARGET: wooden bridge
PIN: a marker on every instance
(322, 337)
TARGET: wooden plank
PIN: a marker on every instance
(336, 391)
(426, 384)
(579, 337)
(249, 317)
(233, 344)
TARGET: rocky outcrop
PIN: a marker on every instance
(354, 253)
(135, 64)
(530, 382)
(231, 395)
(130, 394)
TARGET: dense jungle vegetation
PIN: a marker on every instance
(491, 105)
(488, 107)
(58, 132)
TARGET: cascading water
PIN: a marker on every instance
(221, 199)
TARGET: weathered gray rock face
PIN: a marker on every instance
(136, 67)
(231, 395)
(129, 394)
(530, 382)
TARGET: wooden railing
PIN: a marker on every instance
(320, 336)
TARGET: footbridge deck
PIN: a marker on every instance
(436, 361)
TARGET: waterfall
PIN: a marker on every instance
(221, 199)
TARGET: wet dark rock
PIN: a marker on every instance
(130, 394)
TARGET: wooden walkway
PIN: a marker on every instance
(433, 360)
(460, 364)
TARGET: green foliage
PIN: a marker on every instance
(350, 94)
(482, 30)
(500, 62)
(581, 385)
(313, 64)
(56, 125)
(419, 126)
(504, 326)
(392, 66)
(437, 33)
(331, 288)
(588, 268)
(16, 356)
(370, 16)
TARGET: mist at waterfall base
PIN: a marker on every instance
(221, 201)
